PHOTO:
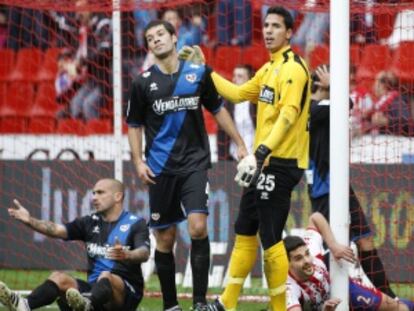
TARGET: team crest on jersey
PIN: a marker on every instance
(124, 228)
(146, 74)
(96, 229)
(155, 216)
(191, 77)
(267, 95)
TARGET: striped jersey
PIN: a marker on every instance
(170, 109)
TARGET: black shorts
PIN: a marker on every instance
(172, 198)
(268, 203)
(131, 301)
(359, 226)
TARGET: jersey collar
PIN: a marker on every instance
(277, 56)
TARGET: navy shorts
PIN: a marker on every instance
(359, 226)
(363, 298)
(173, 197)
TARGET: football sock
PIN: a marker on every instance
(200, 265)
(43, 295)
(372, 266)
(242, 260)
(101, 293)
(276, 270)
(166, 274)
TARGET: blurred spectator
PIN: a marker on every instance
(391, 113)
(312, 30)
(94, 54)
(243, 115)
(189, 32)
(234, 22)
(142, 18)
(362, 25)
(21, 32)
(362, 104)
(68, 79)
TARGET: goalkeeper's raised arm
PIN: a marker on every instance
(51, 229)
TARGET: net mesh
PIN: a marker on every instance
(56, 118)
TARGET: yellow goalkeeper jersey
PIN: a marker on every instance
(284, 81)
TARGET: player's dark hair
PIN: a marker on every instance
(287, 17)
(292, 242)
(248, 68)
(154, 23)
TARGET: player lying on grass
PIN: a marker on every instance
(116, 244)
(309, 284)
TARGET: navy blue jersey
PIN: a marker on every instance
(319, 147)
(98, 235)
(170, 109)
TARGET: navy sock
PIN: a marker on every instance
(43, 295)
(166, 274)
(200, 265)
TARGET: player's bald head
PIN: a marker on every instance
(114, 185)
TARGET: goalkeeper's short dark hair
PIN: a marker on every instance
(287, 17)
(170, 28)
(292, 242)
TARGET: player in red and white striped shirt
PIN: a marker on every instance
(308, 281)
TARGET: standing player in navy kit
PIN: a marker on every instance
(116, 243)
(166, 101)
(319, 182)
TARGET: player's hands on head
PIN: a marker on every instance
(340, 251)
(19, 212)
(331, 304)
(324, 77)
(247, 172)
(145, 173)
(192, 54)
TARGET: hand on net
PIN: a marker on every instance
(247, 171)
(192, 54)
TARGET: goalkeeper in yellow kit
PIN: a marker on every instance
(281, 89)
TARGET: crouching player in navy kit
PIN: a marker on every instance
(166, 101)
(116, 243)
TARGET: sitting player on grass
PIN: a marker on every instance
(116, 244)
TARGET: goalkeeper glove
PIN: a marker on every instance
(250, 167)
(192, 54)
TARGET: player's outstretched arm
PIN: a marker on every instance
(339, 251)
(48, 228)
